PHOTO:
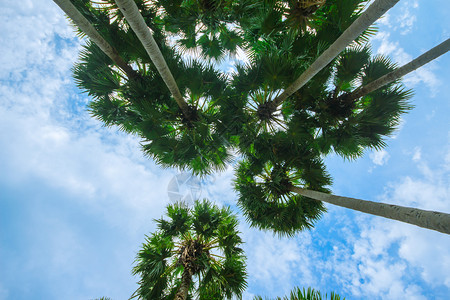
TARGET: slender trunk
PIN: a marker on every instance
(402, 71)
(183, 290)
(82, 23)
(370, 15)
(137, 23)
(423, 218)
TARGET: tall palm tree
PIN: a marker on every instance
(196, 252)
(370, 15)
(84, 25)
(279, 186)
(137, 23)
(305, 294)
(143, 105)
(348, 126)
(318, 112)
(263, 180)
(423, 218)
(416, 63)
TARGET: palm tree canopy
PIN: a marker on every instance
(281, 39)
(203, 242)
(144, 106)
(306, 294)
(263, 182)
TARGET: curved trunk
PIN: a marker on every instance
(82, 23)
(137, 23)
(423, 218)
(402, 71)
(183, 290)
(370, 15)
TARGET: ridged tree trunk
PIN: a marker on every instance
(423, 218)
(183, 290)
(370, 15)
(402, 71)
(137, 23)
(82, 23)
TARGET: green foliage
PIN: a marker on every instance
(264, 179)
(203, 242)
(279, 142)
(306, 294)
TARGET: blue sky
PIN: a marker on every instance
(76, 199)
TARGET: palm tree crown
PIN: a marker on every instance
(196, 252)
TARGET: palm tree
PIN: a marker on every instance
(84, 25)
(290, 191)
(309, 294)
(348, 126)
(263, 180)
(137, 23)
(318, 112)
(402, 71)
(423, 218)
(195, 252)
(370, 15)
(143, 105)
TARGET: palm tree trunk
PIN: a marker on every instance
(137, 23)
(370, 15)
(423, 218)
(183, 290)
(82, 23)
(402, 71)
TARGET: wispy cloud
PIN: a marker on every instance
(403, 20)
(424, 74)
(379, 157)
(71, 170)
(389, 254)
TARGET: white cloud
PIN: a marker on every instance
(219, 186)
(28, 30)
(422, 75)
(385, 20)
(391, 48)
(47, 138)
(407, 18)
(389, 253)
(379, 157)
(403, 19)
(277, 264)
(417, 154)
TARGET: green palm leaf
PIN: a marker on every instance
(190, 246)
